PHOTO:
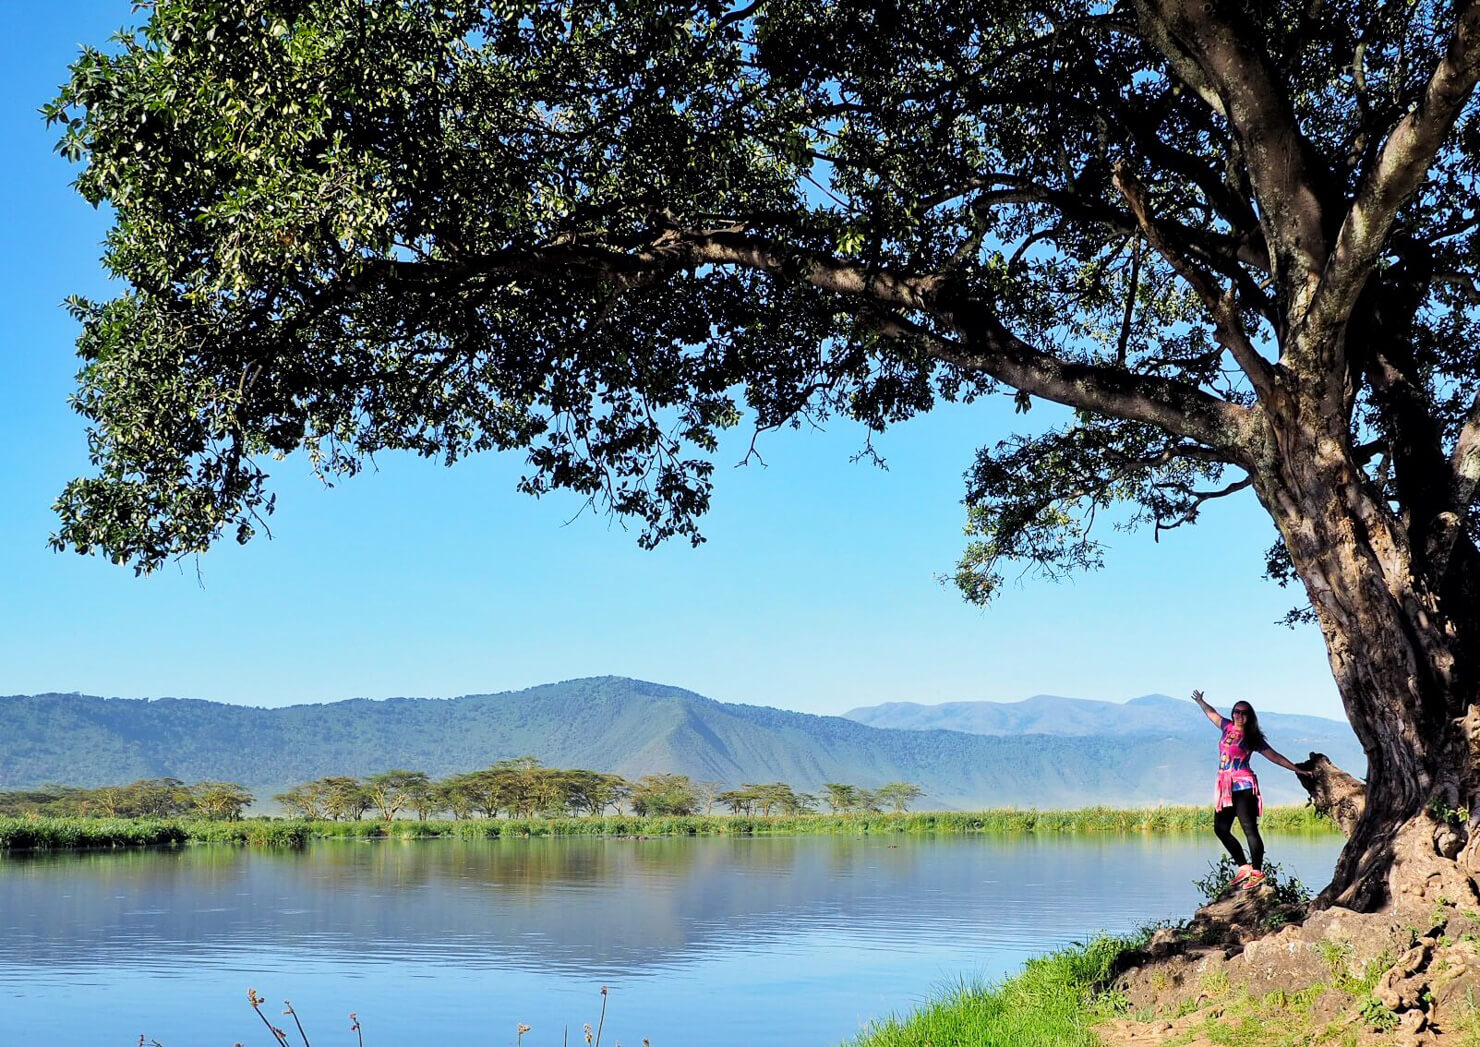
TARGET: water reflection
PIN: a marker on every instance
(794, 939)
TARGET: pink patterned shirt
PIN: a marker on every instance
(1234, 773)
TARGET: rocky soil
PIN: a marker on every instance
(1249, 969)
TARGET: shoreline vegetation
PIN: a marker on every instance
(1056, 1000)
(37, 833)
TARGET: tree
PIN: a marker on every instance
(221, 800)
(739, 801)
(485, 791)
(655, 794)
(426, 798)
(1238, 243)
(799, 803)
(344, 797)
(110, 800)
(898, 795)
(867, 801)
(455, 796)
(706, 794)
(592, 792)
(306, 801)
(774, 795)
(155, 798)
(392, 790)
(840, 796)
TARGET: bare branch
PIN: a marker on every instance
(1105, 389)
(1133, 285)
(1199, 499)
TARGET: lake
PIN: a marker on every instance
(716, 941)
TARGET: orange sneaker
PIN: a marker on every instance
(1254, 879)
(1243, 873)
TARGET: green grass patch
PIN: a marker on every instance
(1053, 1002)
(40, 834)
(1277, 1019)
(57, 833)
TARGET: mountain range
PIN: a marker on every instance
(1050, 714)
(1044, 752)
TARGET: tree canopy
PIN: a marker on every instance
(1238, 239)
(604, 232)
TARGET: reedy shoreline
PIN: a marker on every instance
(26, 834)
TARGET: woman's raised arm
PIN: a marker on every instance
(1208, 710)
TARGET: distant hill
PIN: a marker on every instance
(612, 724)
(1050, 714)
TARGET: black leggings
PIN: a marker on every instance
(1246, 806)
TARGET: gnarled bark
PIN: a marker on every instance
(1333, 792)
(1402, 658)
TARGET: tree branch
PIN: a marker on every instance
(1217, 58)
(1105, 389)
(1464, 281)
(1400, 168)
(888, 297)
(1223, 307)
(1465, 478)
(1133, 285)
(1198, 499)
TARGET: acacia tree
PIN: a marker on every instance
(344, 798)
(659, 794)
(1238, 240)
(224, 800)
(305, 801)
(392, 790)
(898, 795)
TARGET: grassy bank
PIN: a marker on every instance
(1052, 1003)
(998, 822)
(25, 834)
(53, 833)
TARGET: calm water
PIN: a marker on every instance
(720, 942)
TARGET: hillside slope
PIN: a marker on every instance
(605, 723)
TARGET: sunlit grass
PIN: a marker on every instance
(1053, 1002)
(23, 834)
(54, 833)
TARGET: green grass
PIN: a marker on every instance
(30, 834)
(52, 833)
(1053, 1003)
(1003, 822)
(1058, 1000)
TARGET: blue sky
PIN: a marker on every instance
(817, 589)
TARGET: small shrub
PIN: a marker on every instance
(1377, 1015)
(1220, 873)
(1288, 890)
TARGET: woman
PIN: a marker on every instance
(1238, 789)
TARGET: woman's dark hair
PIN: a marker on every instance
(1254, 739)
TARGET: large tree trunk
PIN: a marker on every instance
(1404, 663)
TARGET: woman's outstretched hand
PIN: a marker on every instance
(1197, 696)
